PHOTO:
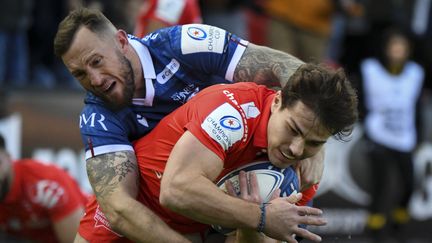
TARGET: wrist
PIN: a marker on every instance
(262, 220)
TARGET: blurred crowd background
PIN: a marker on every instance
(40, 101)
(339, 32)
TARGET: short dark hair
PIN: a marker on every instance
(2, 142)
(328, 93)
(93, 19)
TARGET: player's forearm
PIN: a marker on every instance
(139, 224)
(114, 178)
(266, 66)
(204, 202)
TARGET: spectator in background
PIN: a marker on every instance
(365, 21)
(227, 14)
(46, 70)
(123, 13)
(38, 202)
(347, 18)
(15, 19)
(392, 85)
(420, 23)
(156, 14)
(300, 27)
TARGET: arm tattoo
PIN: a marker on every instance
(106, 171)
(264, 65)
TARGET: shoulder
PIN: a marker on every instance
(369, 63)
(163, 36)
(411, 65)
(39, 169)
(231, 110)
(237, 95)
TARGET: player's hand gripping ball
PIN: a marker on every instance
(269, 179)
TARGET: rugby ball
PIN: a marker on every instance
(269, 179)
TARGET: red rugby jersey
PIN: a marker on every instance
(40, 195)
(230, 120)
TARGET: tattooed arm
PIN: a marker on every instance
(265, 65)
(114, 178)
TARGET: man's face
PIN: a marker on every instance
(294, 133)
(101, 68)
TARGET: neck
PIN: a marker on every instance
(395, 67)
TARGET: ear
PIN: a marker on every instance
(122, 39)
(277, 102)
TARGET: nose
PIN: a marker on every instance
(96, 78)
(297, 146)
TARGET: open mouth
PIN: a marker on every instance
(287, 156)
(108, 87)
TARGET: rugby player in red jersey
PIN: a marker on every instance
(38, 202)
(222, 128)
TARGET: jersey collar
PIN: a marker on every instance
(145, 58)
(260, 137)
(148, 71)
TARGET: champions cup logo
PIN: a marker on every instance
(230, 122)
(196, 33)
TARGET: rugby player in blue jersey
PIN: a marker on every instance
(133, 83)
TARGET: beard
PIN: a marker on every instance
(129, 85)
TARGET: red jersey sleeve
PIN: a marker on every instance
(218, 123)
(308, 195)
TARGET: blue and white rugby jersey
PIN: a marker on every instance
(178, 62)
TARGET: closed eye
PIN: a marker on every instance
(78, 74)
(293, 130)
(315, 143)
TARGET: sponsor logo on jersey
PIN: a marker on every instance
(230, 122)
(234, 101)
(168, 71)
(142, 120)
(186, 94)
(196, 33)
(48, 194)
(224, 125)
(151, 36)
(196, 38)
(92, 120)
(102, 221)
(158, 174)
